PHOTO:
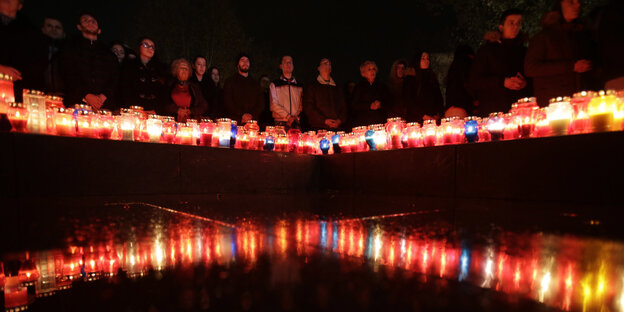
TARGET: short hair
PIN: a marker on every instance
(199, 56)
(83, 13)
(175, 65)
(367, 63)
(283, 56)
(240, 56)
(211, 68)
(509, 12)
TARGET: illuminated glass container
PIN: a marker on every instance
(84, 124)
(154, 125)
(253, 132)
(429, 130)
(496, 126)
(34, 102)
(104, 124)
(471, 129)
(601, 111)
(394, 129)
(128, 122)
(18, 116)
(360, 144)
(294, 140)
(64, 122)
(414, 135)
(559, 114)
(206, 127)
(224, 131)
(524, 116)
(580, 118)
(170, 129)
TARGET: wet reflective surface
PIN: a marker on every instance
(152, 258)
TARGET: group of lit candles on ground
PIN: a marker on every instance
(585, 112)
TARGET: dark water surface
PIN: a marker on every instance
(142, 257)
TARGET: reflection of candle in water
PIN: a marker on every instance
(14, 295)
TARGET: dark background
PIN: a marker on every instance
(347, 31)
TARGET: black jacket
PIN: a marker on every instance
(364, 95)
(143, 85)
(199, 106)
(24, 48)
(211, 94)
(551, 57)
(88, 67)
(321, 102)
(422, 96)
(494, 62)
(242, 95)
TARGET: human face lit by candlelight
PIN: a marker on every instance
(325, 67)
(119, 52)
(10, 8)
(571, 9)
(53, 28)
(89, 26)
(214, 74)
(287, 66)
(200, 66)
(183, 72)
(424, 61)
(400, 71)
(511, 27)
(244, 64)
(369, 72)
(147, 48)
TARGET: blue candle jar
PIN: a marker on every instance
(471, 129)
(269, 143)
(324, 145)
(370, 139)
(336, 142)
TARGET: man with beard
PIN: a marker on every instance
(243, 99)
(89, 69)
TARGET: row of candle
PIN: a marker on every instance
(585, 112)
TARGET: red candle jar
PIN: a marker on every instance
(260, 141)
(18, 116)
(103, 124)
(15, 296)
(580, 118)
(542, 126)
(511, 127)
(414, 135)
(169, 130)
(360, 142)
(185, 134)
(206, 128)
(394, 129)
(6, 92)
(294, 136)
(55, 102)
(310, 143)
(524, 116)
(484, 134)
(64, 122)
(84, 122)
(429, 130)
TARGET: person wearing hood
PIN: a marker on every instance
(371, 98)
(422, 97)
(497, 75)
(243, 97)
(559, 58)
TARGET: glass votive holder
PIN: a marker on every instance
(601, 111)
(185, 134)
(206, 128)
(580, 117)
(360, 144)
(224, 131)
(394, 129)
(294, 137)
(269, 143)
(18, 117)
(154, 125)
(414, 135)
(471, 129)
(559, 114)
(64, 122)
(524, 117)
(429, 130)
(169, 130)
(128, 123)
(496, 126)
(54, 102)
(84, 124)
(103, 124)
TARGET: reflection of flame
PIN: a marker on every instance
(544, 285)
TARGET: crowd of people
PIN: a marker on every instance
(565, 57)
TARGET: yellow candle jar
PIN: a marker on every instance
(601, 111)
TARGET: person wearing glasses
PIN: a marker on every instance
(143, 79)
(88, 67)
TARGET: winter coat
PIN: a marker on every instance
(421, 96)
(495, 61)
(551, 57)
(211, 94)
(364, 95)
(242, 95)
(88, 67)
(143, 85)
(322, 102)
(198, 107)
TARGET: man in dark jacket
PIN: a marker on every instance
(55, 39)
(243, 97)
(559, 56)
(497, 72)
(88, 68)
(371, 98)
(323, 100)
(23, 54)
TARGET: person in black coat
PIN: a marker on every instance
(89, 69)
(143, 79)
(458, 94)
(421, 91)
(185, 97)
(323, 101)
(371, 98)
(24, 53)
(497, 75)
(207, 85)
(243, 97)
(560, 57)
